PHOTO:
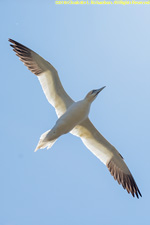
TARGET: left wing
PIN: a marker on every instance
(107, 153)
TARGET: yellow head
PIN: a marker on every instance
(93, 94)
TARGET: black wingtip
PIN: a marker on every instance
(126, 179)
(11, 40)
(11, 45)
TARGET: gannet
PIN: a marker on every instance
(73, 118)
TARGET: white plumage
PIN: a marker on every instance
(73, 118)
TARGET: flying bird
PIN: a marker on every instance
(73, 118)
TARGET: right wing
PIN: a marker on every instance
(47, 76)
(107, 153)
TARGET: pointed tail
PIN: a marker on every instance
(43, 144)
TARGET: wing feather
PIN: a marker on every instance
(47, 76)
(107, 153)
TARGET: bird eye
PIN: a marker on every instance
(93, 91)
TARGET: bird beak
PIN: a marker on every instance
(99, 90)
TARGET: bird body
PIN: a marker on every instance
(73, 118)
(75, 114)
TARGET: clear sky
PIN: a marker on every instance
(90, 46)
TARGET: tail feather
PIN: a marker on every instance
(43, 144)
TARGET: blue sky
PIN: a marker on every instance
(90, 46)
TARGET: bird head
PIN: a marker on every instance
(93, 94)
